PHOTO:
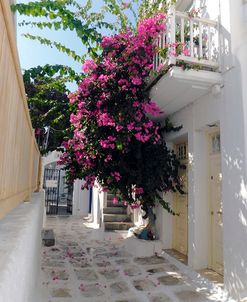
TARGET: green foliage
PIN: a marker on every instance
(115, 142)
(69, 15)
(153, 167)
(142, 165)
(48, 103)
(150, 8)
(45, 86)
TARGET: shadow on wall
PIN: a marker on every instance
(234, 184)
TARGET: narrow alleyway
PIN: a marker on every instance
(87, 265)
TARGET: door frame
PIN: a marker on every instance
(51, 191)
(211, 155)
(183, 160)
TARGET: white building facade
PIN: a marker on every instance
(211, 105)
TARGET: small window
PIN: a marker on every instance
(215, 143)
(182, 151)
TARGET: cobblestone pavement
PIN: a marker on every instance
(88, 265)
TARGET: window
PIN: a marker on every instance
(215, 143)
(182, 151)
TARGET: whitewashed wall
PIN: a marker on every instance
(98, 203)
(20, 245)
(194, 119)
(229, 109)
(234, 148)
(80, 199)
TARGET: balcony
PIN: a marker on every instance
(187, 62)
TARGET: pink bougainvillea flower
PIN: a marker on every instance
(89, 65)
(152, 108)
(116, 175)
(130, 126)
(186, 52)
(136, 81)
(38, 131)
(125, 5)
(138, 190)
(160, 67)
(115, 200)
(108, 158)
(105, 120)
(111, 110)
(73, 97)
(135, 206)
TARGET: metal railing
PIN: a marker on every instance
(190, 39)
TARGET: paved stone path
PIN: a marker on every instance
(88, 265)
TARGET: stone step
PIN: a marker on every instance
(118, 226)
(111, 196)
(116, 218)
(114, 210)
(111, 204)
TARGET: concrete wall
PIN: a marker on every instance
(20, 244)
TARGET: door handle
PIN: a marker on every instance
(219, 212)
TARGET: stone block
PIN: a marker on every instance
(61, 293)
(170, 280)
(144, 285)
(143, 248)
(48, 237)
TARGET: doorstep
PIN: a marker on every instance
(198, 276)
(142, 248)
(177, 255)
(213, 276)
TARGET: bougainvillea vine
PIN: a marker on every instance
(115, 142)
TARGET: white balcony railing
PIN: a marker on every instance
(190, 39)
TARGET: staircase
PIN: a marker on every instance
(115, 216)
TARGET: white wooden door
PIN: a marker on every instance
(180, 206)
(216, 213)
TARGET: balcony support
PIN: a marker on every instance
(172, 18)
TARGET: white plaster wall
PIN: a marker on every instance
(198, 207)
(98, 203)
(194, 119)
(234, 151)
(163, 224)
(209, 8)
(80, 199)
(63, 186)
(229, 109)
(51, 157)
(20, 244)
